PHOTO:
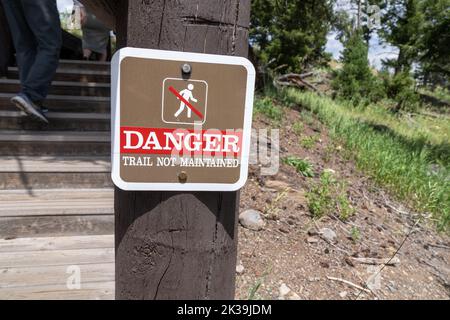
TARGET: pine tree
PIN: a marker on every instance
(403, 23)
(434, 42)
(355, 80)
(290, 33)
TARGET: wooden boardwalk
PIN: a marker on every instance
(39, 268)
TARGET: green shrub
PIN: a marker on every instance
(304, 167)
(400, 88)
(267, 107)
(329, 196)
(298, 128)
(308, 142)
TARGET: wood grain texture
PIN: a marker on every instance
(173, 245)
(38, 268)
(56, 225)
(56, 243)
(90, 291)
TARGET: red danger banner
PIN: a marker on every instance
(164, 141)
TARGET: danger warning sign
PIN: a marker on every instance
(181, 121)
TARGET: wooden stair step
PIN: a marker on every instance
(29, 136)
(59, 121)
(65, 74)
(51, 259)
(56, 258)
(79, 194)
(54, 164)
(64, 103)
(54, 172)
(46, 244)
(84, 65)
(56, 212)
(63, 88)
(54, 143)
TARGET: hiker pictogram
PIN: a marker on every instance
(185, 96)
(184, 101)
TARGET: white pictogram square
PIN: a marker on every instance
(184, 101)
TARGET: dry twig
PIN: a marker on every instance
(350, 284)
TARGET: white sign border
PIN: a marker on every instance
(185, 57)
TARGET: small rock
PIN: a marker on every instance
(374, 280)
(284, 290)
(330, 171)
(312, 279)
(293, 296)
(239, 268)
(328, 234)
(278, 185)
(391, 286)
(287, 294)
(252, 219)
(312, 232)
(349, 261)
(312, 240)
(298, 196)
(343, 294)
(283, 230)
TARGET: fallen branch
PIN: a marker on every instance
(296, 80)
(349, 283)
(374, 261)
(437, 245)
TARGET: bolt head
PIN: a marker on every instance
(182, 177)
(186, 68)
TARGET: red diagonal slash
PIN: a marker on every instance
(190, 106)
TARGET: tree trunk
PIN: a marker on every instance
(179, 245)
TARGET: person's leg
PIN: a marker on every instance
(43, 19)
(23, 37)
(103, 57)
(5, 40)
(189, 113)
(87, 53)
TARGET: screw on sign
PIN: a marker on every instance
(196, 136)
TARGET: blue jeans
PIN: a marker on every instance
(37, 37)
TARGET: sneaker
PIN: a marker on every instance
(24, 103)
(44, 109)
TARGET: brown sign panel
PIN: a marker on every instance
(181, 121)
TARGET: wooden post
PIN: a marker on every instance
(179, 245)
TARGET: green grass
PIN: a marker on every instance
(309, 142)
(267, 107)
(439, 94)
(409, 158)
(329, 197)
(304, 167)
(355, 234)
(298, 128)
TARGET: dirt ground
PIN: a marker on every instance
(291, 252)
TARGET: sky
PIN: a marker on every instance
(64, 5)
(377, 51)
